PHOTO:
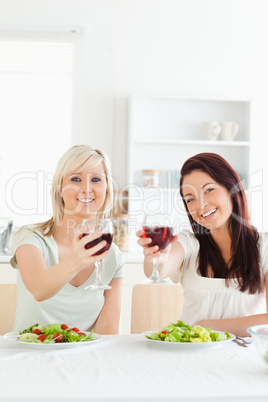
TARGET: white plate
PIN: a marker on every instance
(59, 345)
(188, 345)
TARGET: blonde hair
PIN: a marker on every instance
(76, 156)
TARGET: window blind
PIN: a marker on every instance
(39, 99)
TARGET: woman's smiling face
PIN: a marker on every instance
(208, 202)
(84, 191)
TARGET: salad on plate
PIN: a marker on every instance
(184, 333)
(54, 333)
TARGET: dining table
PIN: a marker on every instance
(131, 368)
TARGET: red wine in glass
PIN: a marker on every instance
(105, 227)
(160, 235)
(159, 227)
(108, 237)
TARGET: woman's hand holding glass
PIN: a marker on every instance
(155, 260)
(82, 256)
(153, 252)
(155, 237)
(103, 230)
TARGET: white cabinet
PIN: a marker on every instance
(8, 296)
(7, 274)
(133, 274)
(165, 131)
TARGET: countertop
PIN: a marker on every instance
(131, 257)
(4, 258)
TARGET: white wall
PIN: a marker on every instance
(97, 19)
(180, 47)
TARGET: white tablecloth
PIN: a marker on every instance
(130, 368)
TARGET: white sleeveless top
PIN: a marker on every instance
(210, 298)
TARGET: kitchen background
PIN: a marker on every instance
(144, 77)
(168, 49)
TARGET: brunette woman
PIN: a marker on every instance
(223, 262)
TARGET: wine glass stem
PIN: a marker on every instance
(155, 273)
(98, 274)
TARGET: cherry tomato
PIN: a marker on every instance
(81, 333)
(58, 336)
(42, 337)
(64, 326)
(36, 331)
(164, 332)
(75, 329)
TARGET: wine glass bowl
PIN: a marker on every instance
(105, 227)
(160, 235)
(108, 237)
(159, 228)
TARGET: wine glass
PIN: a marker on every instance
(159, 227)
(105, 226)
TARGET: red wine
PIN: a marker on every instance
(108, 237)
(160, 235)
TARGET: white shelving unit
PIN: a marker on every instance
(194, 142)
(165, 131)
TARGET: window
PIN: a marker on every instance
(38, 101)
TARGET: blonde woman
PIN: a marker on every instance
(54, 267)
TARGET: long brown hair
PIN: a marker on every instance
(245, 259)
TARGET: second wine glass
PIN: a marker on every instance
(105, 226)
(158, 227)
